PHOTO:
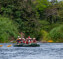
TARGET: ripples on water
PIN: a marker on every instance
(45, 51)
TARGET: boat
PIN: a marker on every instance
(27, 45)
(28, 42)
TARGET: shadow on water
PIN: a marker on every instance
(45, 51)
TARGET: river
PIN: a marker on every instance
(45, 51)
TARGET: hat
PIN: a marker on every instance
(23, 38)
(18, 36)
(28, 36)
(34, 38)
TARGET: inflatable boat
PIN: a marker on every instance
(27, 45)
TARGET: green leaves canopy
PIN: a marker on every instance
(7, 29)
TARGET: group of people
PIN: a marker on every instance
(26, 41)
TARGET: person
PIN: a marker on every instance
(24, 40)
(28, 36)
(30, 40)
(27, 42)
(34, 40)
(18, 40)
(21, 40)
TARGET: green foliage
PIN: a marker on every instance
(41, 4)
(54, 13)
(24, 14)
(44, 25)
(56, 34)
(35, 18)
(7, 29)
(43, 36)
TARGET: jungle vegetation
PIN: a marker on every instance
(42, 19)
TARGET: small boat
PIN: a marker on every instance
(27, 45)
(28, 42)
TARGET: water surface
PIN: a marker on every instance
(45, 51)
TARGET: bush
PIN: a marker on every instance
(43, 36)
(56, 34)
(7, 29)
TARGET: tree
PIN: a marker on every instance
(54, 13)
(41, 5)
(7, 29)
(54, 2)
(23, 13)
(51, 14)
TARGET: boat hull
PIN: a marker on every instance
(27, 45)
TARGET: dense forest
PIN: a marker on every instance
(42, 19)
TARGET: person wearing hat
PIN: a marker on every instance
(18, 40)
(23, 39)
(27, 42)
(34, 40)
(30, 40)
